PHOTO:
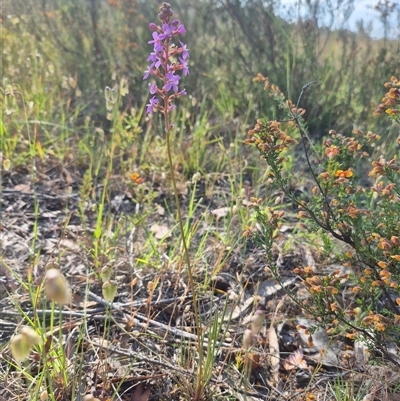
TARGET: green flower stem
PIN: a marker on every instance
(199, 388)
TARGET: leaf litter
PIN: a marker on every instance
(136, 351)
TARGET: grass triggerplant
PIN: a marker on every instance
(166, 60)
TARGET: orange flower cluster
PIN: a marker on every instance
(382, 167)
(384, 191)
(348, 143)
(275, 218)
(376, 321)
(387, 249)
(391, 100)
(327, 285)
(264, 80)
(272, 217)
(136, 178)
(268, 137)
(331, 150)
(353, 212)
(273, 89)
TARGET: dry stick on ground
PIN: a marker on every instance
(124, 318)
(134, 355)
(168, 329)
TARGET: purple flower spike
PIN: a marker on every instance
(163, 64)
(153, 103)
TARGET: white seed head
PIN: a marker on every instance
(109, 290)
(56, 287)
(247, 339)
(258, 321)
(22, 343)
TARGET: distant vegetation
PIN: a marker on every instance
(73, 49)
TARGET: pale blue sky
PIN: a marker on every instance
(362, 9)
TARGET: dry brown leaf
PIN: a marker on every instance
(274, 354)
(141, 394)
(71, 245)
(240, 310)
(160, 231)
(222, 211)
(274, 346)
(368, 397)
(26, 189)
(319, 341)
(295, 360)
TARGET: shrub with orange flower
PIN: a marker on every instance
(341, 207)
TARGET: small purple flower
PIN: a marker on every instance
(148, 72)
(167, 32)
(180, 31)
(153, 102)
(185, 51)
(156, 41)
(153, 88)
(155, 38)
(155, 60)
(171, 107)
(185, 68)
(181, 93)
(173, 82)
